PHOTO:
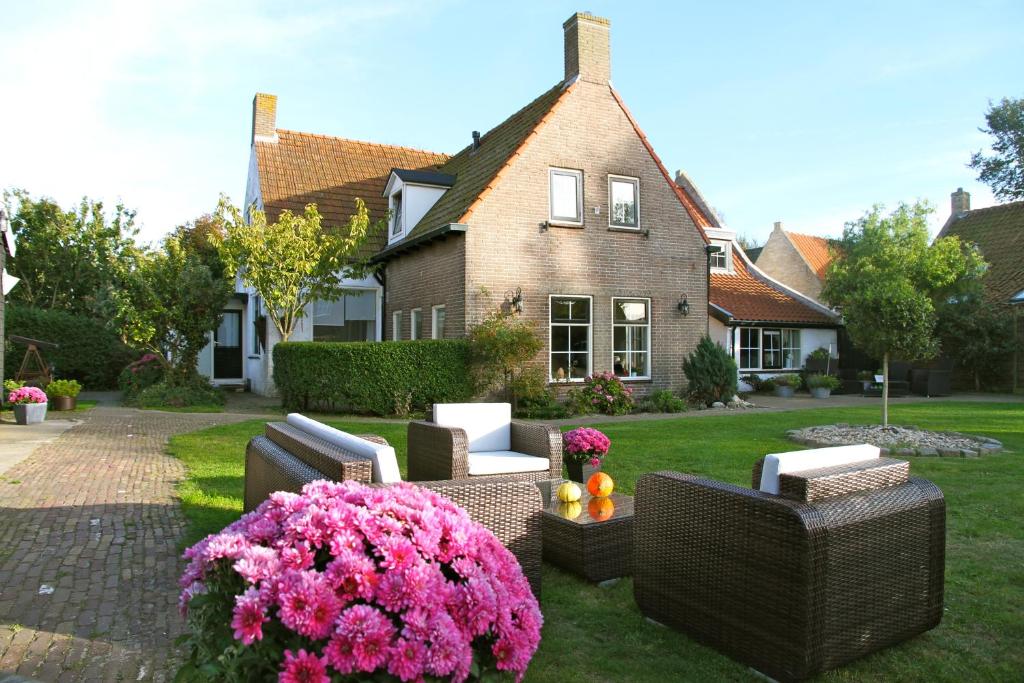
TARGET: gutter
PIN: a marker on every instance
(419, 241)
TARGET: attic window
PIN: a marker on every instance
(721, 260)
(623, 200)
(396, 214)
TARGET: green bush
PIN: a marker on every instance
(372, 377)
(788, 380)
(601, 393)
(140, 375)
(662, 401)
(196, 392)
(711, 372)
(534, 398)
(822, 382)
(63, 388)
(89, 352)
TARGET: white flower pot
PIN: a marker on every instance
(821, 392)
(29, 413)
(784, 392)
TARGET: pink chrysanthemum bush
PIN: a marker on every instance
(586, 443)
(23, 395)
(347, 582)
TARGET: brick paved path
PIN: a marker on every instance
(89, 545)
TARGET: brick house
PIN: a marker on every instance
(563, 211)
(998, 232)
(799, 261)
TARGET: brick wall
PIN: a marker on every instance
(507, 248)
(432, 276)
(587, 48)
(780, 260)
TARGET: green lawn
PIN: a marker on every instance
(593, 633)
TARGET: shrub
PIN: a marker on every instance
(63, 388)
(88, 351)
(371, 377)
(11, 385)
(662, 401)
(817, 381)
(499, 348)
(788, 380)
(711, 372)
(820, 354)
(601, 393)
(140, 375)
(534, 398)
(197, 391)
(349, 582)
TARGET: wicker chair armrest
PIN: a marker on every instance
(436, 452)
(840, 480)
(269, 468)
(332, 461)
(539, 440)
(375, 438)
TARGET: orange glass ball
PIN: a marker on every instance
(600, 484)
(600, 509)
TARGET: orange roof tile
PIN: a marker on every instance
(331, 172)
(815, 250)
(748, 298)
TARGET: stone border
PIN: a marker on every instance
(986, 445)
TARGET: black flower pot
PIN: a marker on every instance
(581, 470)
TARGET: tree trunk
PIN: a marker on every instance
(885, 390)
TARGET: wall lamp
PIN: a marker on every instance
(514, 300)
(683, 306)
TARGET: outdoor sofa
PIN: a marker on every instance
(291, 454)
(480, 441)
(836, 563)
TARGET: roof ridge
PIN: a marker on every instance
(1017, 204)
(804, 234)
(363, 142)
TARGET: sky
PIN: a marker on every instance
(802, 112)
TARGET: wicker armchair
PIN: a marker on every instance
(444, 452)
(846, 560)
(285, 459)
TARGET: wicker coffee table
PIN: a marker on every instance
(590, 545)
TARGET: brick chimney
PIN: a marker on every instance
(264, 117)
(777, 227)
(960, 202)
(588, 48)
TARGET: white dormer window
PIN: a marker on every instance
(721, 260)
(396, 214)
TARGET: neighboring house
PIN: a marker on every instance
(800, 261)
(998, 231)
(562, 211)
(768, 327)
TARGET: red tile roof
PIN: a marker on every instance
(815, 250)
(331, 172)
(748, 298)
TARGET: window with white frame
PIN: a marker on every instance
(566, 195)
(769, 349)
(570, 322)
(631, 337)
(437, 322)
(416, 323)
(255, 305)
(623, 202)
(396, 325)
(353, 317)
(721, 259)
(396, 214)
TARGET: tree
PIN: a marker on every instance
(747, 243)
(500, 347)
(66, 258)
(978, 335)
(171, 302)
(1004, 170)
(887, 280)
(294, 261)
(710, 372)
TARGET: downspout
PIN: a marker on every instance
(381, 276)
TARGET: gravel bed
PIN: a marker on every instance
(896, 440)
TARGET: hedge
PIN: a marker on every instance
(89, 351)
(383, 378)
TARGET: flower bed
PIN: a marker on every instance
(900, 441)
(354, 580)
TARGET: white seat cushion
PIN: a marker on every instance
(488, 425)
(385, 463)
(797, 461)
(505, 462)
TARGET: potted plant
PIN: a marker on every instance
(584, 448)
(29, 405)
(818, 361)
(822, 386)
(63, 393)
(785, 385)
(865, 377)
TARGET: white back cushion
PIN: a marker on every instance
(797, 461)
(488, 425)
(505, 462)
(385, 463)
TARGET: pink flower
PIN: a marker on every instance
(248, 617)
(257, 564)
(304, 667)
(24, 395)
(362, 640)
(307, 603)
(407, 659)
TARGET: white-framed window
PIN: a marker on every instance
(623, 202)
(769, 349)
(416, 323)
(437, 322)
(570, 334)
(565, 190)
(396, 325)
(396, 214)
(353, 317)
(256, 306)
(631, 338)
(722, 259)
